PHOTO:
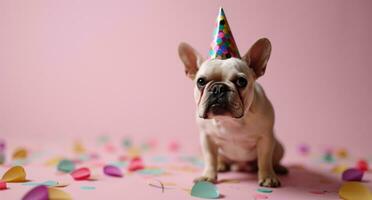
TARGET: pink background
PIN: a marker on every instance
(83, 68)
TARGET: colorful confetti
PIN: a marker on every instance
(111, 170)
(81, 174)
(204, 189)
(15, 174)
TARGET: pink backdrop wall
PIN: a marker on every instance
(82, 68)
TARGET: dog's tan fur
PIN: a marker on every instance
(245, 133)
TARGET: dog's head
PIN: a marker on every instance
(225, 87)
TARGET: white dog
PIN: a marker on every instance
(235, 117)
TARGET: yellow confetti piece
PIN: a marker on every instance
(342, 153)
(20, 153)
(53, 161)
(134, 152)
(354, 191)
(78, 148)
(56, 194)
(15, 174)
(339, 169)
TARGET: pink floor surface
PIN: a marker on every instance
(310, 176)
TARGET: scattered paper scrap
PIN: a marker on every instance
(174, 146)
(135, 164)
(352, 175)
(37, 193)
(151, 171)
(84, 187)
(66, 166)
(264, 190)
(111, 170)
(204, 189)
(259, 196)
(354, 191)
(304, 149)
(362, 165)
(20, 153)
(81, 174)
(342, 153)
(57, 194)
(15, 174)
(2, 185)
(339, 169)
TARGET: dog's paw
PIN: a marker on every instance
(206, 178)
(270, 181)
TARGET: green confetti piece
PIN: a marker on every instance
(66, 166)
(87, 187)
(206, 190)
(264, 190)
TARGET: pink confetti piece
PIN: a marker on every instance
(81, 174)
(174, 146)
(260, 196)
(135, 164)
(2, 185)
(111, 170)
(37, 193)
(352, 175)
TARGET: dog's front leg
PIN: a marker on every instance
(266, 174)
(209, 150)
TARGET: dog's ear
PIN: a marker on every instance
(190, 58)
(258, 55)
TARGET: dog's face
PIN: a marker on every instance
(225, 87)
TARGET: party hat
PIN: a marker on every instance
(223, 45)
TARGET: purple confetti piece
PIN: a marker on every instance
(37, 193)
(352, 175)
(111, 170)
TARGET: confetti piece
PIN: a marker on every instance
(264, 190)
(304, 149)
(2, 145)
(174, 146)
(14, 174)
(354, 191)
(151, 171)
(53, 161)
(362, 165)
(342, 153)
(56, 194)
(328, 157)
(111, 170)
(78, 147)
(2, 185)
(2, 158)
(81, 174)
(20, 153)
(127, 143)
(66, 166)
(352, 175)
(204, 189)
(87, 187)
(135, 164)
(260, 196)
(339, 169)
(37, 193)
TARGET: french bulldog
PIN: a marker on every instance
(234, 116)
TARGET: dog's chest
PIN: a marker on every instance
(235, 141)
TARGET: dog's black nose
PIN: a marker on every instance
(219, 89)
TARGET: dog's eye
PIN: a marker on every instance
(241, 82)
(201, 82)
